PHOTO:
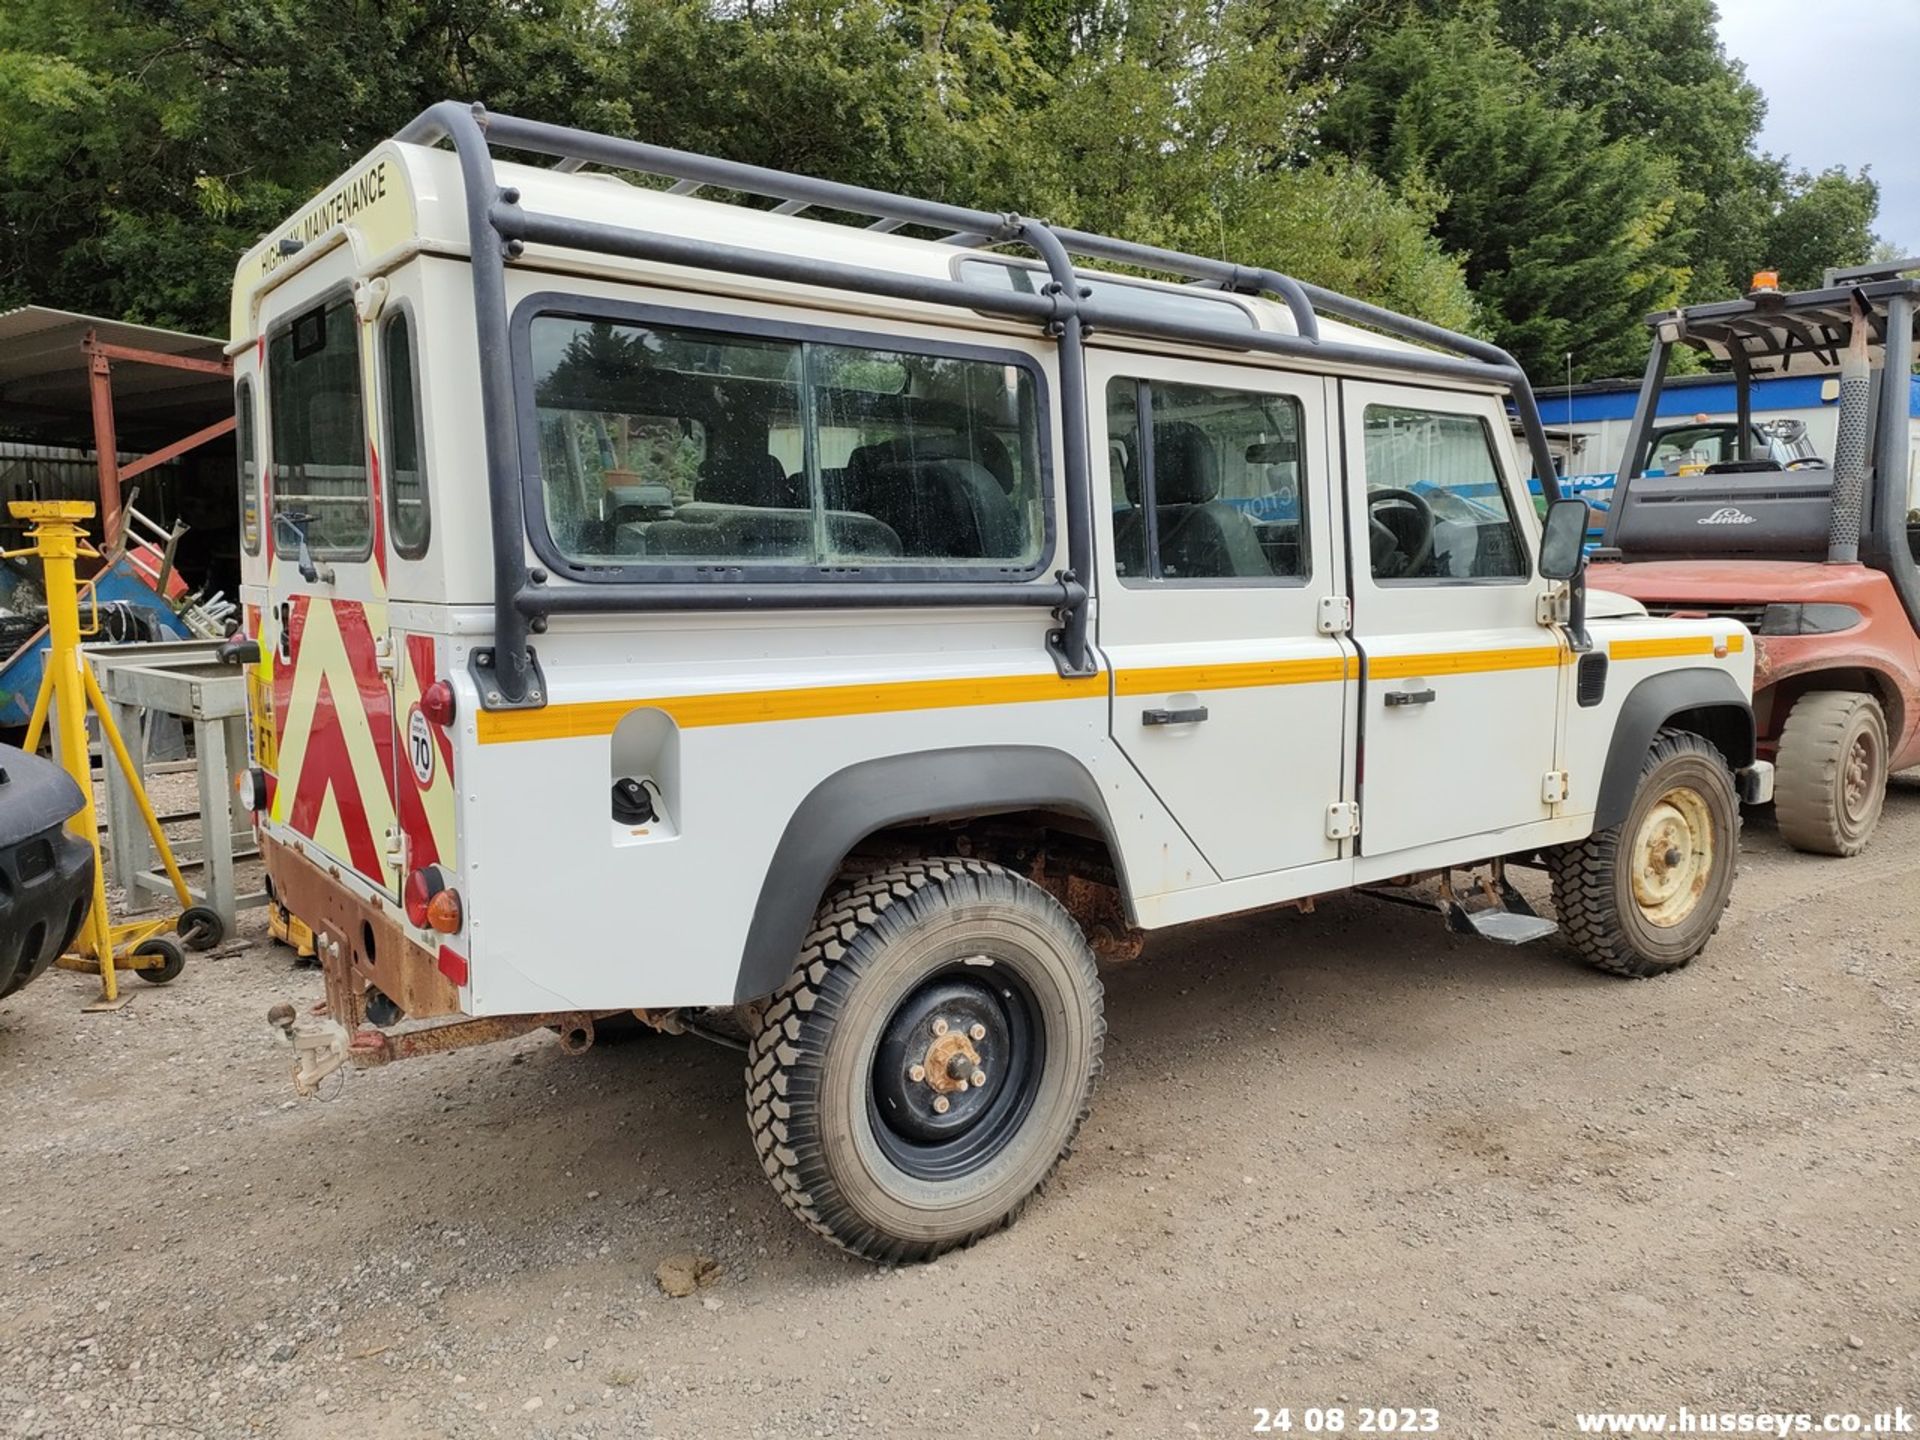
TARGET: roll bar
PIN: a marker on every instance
(500, 227)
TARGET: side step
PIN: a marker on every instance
(1489, 907)
(1503, 927)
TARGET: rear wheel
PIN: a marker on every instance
(1644, 896)
(931, 1060)
(1830, 779)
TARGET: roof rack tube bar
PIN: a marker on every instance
(1198, 267)
(1359, 312)
(1273, 342)
(791, 207)
(593, 235)
(602, 597)
(684, 187)
(568, 166)
(499, 428)
(541, 138)
(885, 227)
(677, 250)
(1075, 462)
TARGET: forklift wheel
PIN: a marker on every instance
(1830, 780)
(173, 961)
(201, 927)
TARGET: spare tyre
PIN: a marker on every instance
(46, 872)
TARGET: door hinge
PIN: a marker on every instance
(383, 654)
(396, 847)
(1553, 607)
(1343, 820)
(1336, 614)
(1554, 787)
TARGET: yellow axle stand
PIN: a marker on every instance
(101, 946)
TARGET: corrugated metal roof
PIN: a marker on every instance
(43, 381)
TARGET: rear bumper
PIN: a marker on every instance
(360, 942)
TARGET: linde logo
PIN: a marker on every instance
(1727, 515)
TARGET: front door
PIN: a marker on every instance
(1461, 683)
(326, 624)
(1220, 544)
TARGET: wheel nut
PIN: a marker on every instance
(961, 1087)
(941, 1104)
(940, 1026)
(977, 1031)
(979, 1078)
(917, 1074)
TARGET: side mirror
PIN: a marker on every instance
(1563, 539)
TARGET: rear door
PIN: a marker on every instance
(1220, 544)
(325, 621)
(1461, 683)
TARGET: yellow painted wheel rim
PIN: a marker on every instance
(1672, 857)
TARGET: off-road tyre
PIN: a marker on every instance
(1593, 881)
(885, 944)
(1830, 775)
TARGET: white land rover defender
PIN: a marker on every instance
(835, 632)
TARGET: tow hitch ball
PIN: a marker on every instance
(319, 1045)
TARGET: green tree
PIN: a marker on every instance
(1820, 221)
(1178, 125)
(1568, 236)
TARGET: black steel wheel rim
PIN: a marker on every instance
(993, 1008)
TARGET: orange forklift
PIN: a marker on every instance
(1817, 558)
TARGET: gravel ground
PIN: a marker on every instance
(1337, 1159)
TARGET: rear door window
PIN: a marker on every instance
(317, 435)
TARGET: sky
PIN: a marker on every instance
(1841, 90)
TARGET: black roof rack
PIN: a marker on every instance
(499, 228)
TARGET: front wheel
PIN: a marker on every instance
(1644, 896)
(930, 1061)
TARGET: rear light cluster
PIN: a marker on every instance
(436, 703)
(433, 904)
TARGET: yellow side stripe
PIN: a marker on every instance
(1674, 649)
(813, 702)
(1464, 662)
(817, 702)
(1229, 677)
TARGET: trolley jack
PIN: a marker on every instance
(69, 689)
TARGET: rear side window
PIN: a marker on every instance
(317, 435)
(1206, 484)
(671, 446)
(247, 461)
(406, 478)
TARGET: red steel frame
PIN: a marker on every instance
(101, 356)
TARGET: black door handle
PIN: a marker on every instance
(1174, 717)
(1396, 698)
